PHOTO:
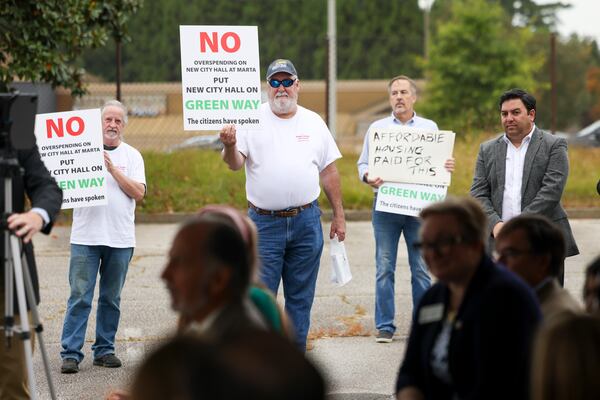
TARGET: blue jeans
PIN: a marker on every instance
(290, 251)
(388, 227)
(86, 262)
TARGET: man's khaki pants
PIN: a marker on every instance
(13, 371)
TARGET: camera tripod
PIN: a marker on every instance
(16, 276)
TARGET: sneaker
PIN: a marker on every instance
(384, 337)
(108, 361)
(69, 366)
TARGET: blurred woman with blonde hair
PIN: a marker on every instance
(566, 359)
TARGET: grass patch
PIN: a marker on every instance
(187, 180)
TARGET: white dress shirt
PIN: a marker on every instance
(513, 178)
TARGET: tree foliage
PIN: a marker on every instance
(475, 56)
(376, 38)
(40, 40)
(575, 62)
(593, 87)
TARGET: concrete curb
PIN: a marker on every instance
(351, 215)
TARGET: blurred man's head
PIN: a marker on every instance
(208, 267)
(591, 287)
(452, 238)
(532, 247)
(283, 88)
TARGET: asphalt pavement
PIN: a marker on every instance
(342, 344)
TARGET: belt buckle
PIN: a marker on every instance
(289, 213)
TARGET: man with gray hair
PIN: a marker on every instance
(388, 226)
(102, 241)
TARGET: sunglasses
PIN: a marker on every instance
(275, 83)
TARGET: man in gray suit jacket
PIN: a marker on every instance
(533, 247)
(523, 171)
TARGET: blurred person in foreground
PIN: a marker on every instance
(208, 273)
(472, 333)
(566, 359)
(533, 247)
(260, 298)
(262, 366)
(591, 288)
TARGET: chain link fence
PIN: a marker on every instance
(156, 110)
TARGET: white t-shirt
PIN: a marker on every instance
(284, 158)
(113, 224)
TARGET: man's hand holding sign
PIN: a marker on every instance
(410, 167)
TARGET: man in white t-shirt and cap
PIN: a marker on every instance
(102, 241)
(285, 160)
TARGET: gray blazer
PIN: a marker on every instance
(544, 178)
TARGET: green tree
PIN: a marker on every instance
(520, 12)
(376, 38)
(475, 56)
(40, 40)
(575, 58)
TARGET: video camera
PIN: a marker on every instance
(17, 121)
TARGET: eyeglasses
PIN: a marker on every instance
(275, 83)
(440, 246)
(509, 254)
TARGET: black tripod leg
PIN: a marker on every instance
(37, 324)
(25, 331)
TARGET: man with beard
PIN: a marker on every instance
(285, 160)
(102, 241)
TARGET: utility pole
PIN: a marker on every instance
(426, 5)
(331, 91)
(553, 82)
(118, 72)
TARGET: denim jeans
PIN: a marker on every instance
(290, 251)
(388, 227)
(86, 262)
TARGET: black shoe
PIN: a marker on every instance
(69, 366)
(108, 361)
(384, 337)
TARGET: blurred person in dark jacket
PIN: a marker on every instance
(472, 332)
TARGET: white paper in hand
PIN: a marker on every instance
(340, 267)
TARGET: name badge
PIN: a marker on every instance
(431, 313)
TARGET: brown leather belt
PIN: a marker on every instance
(289, 212)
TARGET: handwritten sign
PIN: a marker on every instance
(220, 74)
(408, 198)
(70, 144)
(410, 155)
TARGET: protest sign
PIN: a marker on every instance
(410, 155)
(220, 76)
(408, 198)
(70, 144)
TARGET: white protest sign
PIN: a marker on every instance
(70, 144)
(408, 198)
(410, 155)
(220, 76)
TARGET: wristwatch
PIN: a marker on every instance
(365, 179)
